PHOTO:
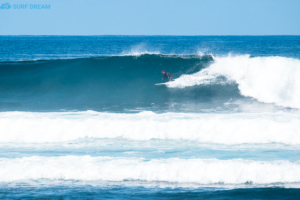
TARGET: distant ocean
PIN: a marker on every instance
(82, 118)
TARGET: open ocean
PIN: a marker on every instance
(82, 118)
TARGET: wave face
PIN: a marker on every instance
(127, 83)
(112, 83)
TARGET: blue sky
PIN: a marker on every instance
(152, 17)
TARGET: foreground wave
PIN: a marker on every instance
(235, 128)
(202, 171)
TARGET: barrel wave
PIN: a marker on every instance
(112, 83)
(127, 83)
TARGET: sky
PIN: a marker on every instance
(150, 17)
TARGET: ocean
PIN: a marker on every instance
(82, 118)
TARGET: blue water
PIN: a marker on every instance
(82, 118)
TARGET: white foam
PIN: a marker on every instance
(238, 128)
(140, 49)
(268, 79)
(202, 171)
(140, 53)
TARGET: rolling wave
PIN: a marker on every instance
(229, 129)
(120, 83)
(112, 83)
(201, 171)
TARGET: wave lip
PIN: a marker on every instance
(139, 53)
(202, 171)
(22, 127)
(267, 79)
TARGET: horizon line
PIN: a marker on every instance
(152, 35)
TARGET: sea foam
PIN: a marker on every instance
(267, 79)
(202, 171)
(235, 128)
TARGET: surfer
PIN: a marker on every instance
(167, 75)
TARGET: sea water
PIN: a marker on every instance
(81, 117)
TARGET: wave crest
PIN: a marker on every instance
(267, 79)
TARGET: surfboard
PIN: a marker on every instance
(163, 83)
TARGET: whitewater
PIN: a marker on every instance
(201, 171)
(267, 79)
(83, 115)
(240, 128)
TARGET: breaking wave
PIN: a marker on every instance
(22, 127)
(201, 171)
(267, 79)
